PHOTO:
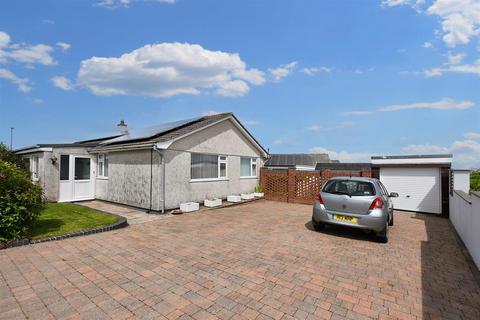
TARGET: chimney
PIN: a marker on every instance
(122, 127)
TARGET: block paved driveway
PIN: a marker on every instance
(255, 261)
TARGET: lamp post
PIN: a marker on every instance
(11, 137)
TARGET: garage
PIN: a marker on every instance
(421, 181)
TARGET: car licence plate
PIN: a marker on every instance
(344, 218)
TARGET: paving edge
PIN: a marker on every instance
(120, 223)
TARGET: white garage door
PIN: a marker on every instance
(419, 189)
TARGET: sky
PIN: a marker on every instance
(350, 78)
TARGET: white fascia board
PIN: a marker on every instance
(32, 150)
(413, 161)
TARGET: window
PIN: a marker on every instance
(248, 167)
(349, 187)
(102, 170)
(64, 167)
(82, 168)
(207, 166)
(34, 168)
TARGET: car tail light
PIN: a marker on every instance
(319, 198)
(376, 204)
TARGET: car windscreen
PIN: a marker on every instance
(349, 187)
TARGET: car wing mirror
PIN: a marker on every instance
(393, 195)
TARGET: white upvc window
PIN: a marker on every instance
(34, 168)
(208, 167)
(102, 164)
(248, 167)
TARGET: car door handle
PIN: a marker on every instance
(408, 196)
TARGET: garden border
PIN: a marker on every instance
(121, 223)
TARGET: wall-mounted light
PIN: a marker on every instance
(54, 160)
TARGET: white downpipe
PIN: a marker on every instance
(161, 163)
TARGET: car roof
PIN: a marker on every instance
(354, 178)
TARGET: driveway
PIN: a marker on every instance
(255, 261)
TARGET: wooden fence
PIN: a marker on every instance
(299, 186)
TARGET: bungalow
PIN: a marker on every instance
(157, 168)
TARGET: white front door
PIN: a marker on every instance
(76, 178)
(419, 189)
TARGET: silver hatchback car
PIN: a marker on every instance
(355, 202)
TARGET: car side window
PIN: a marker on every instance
(385, 192)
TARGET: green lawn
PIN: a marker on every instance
(60, 218)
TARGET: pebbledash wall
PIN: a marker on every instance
(129, 179)
(223, 138)
(130, 171)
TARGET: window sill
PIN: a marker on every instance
(35, 179)
(209, 180)
(248, 177)
(102, 178)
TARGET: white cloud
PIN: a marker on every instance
(24, 53)
(428, 45)
(62, 83)
(251, 122)
(394, 3)
(455, 58)
(444, 104)
(315, 128)
(4, 39)
(210, 113)
(279, 142)
(114, 4)
(313, 70)
(282, 71)
(344, 156)
(466, 153)
(63, 45)
(424, 149)
(235, 88)
(22, 83)
(472, 135)
(169, 69)
(338, 125)
(460, 20)
(48, 21)
(38, 101)
(458, 68)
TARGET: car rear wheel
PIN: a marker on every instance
(382, 236)
(318, 226)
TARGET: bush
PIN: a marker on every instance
(8, 155)
(475, 181)
(20, 201)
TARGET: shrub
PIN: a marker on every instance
(475, 181)
(20, 201)
(9, 156)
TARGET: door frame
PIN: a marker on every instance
(71, 176)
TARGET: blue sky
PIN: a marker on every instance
(351, 78)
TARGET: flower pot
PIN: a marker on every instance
(212, 202)
(258, 194)
(234, 198)
(189, 206)
(247, 196)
